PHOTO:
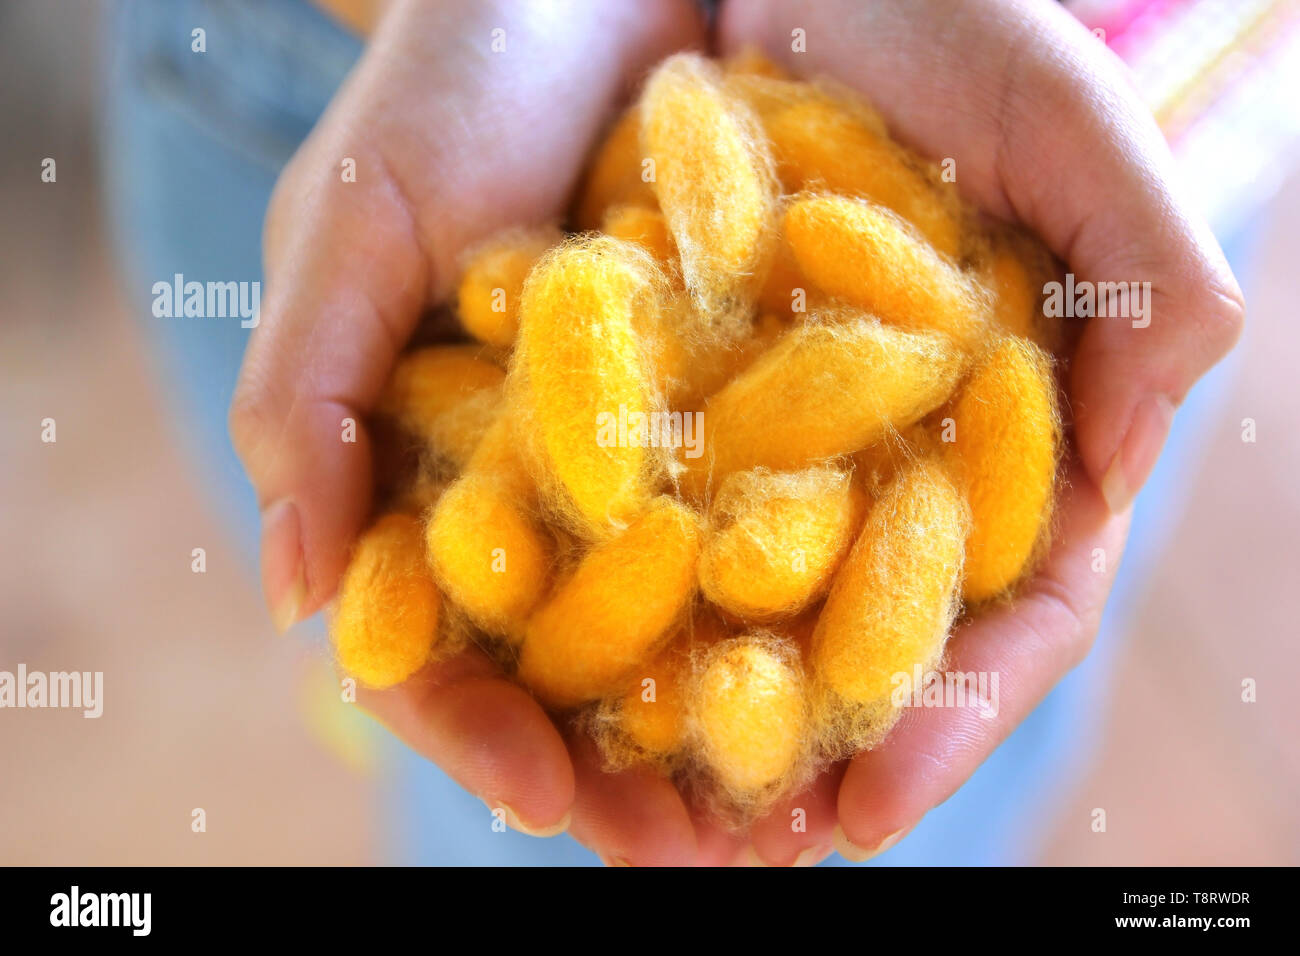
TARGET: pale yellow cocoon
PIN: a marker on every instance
(775, 538)
(487, 555)
(749, 715)
(580, 362)
(385, 623)
(444, 395)
(826, 388)
(713, 180)
(891, 605)
(487, 298)
(864, 255)
(614, 611)
(1004, 458)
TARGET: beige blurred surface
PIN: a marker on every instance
(203, 702)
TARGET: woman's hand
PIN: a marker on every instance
(1045, 129)
(452, 138)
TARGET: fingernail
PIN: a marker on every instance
(856, 854)
(1138, 452)
(809, 856)
(514, 823)
(813, 855)
(284, 578)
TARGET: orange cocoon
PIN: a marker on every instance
(498, 454)
(781, 289)
(487, 299)
(579, 362)
(752, 62)
(826, 388)
(1006, 433)
(651, 714)
(775, 538)
(443, 394)
(892, 602)
(749, 715)
(487, 556)
(386, 620)
(617, 174)
(586, 641)
(1016, 267)
(713, 180)
(824, 141)
(644, 226)
(868, 257)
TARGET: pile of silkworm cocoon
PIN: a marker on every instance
(708, 471)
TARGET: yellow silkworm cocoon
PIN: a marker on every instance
(617, 175)
(713, 180)
(587, 639)
(487, 298)
(443, 394)
(826, 388)
(581, 364)
(892, 601)
(824, 141)
(1016, 267)
(752, 62)
(749, 715)
(386, 621)
(644, 226)
(785, 287)
(1003, 456)
(651, 714)
(866, 256)
(775, 539)
(499, 455)
(487, 555)
(878, 465)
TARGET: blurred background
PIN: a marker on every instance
(206, 708)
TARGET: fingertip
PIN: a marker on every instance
(632, 817)
(488, 734)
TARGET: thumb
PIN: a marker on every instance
(451, 139)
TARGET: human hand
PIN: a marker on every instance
(451, 142)
(1045, 130)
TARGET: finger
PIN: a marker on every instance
(449, 141)
(800, 829)
(633, 817)
(1026, 647)
(1045, 128)
(487, 734)
(717, 845)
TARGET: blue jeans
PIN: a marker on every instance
(192, 145)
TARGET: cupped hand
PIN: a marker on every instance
(460, 119)
(1045, 129)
